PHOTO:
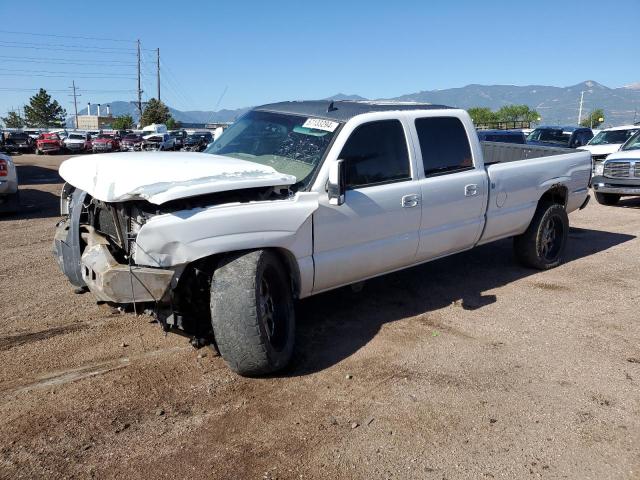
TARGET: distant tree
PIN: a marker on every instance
(517, 113)
(173, 124)
(123, 122)
(13, 120)
(482, 115)
(594, 120)
(155, 112)
(43, 112)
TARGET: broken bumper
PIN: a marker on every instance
(111, 281)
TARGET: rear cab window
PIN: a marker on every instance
(375, 154)
(444, 145)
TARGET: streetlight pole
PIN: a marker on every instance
(580, 109)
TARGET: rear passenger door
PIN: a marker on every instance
(376, 229)
(453, 190)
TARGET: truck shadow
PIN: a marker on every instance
(34, 204)
(334, 325)
(35, 175)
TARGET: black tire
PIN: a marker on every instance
(543, 244)
(607, 198)
(252, 313)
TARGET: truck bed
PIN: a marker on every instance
(500, 152)
(515, 187)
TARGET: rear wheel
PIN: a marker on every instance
(252, 313)
(543, 244)
(607, 198)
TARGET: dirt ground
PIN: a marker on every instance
(468, 367)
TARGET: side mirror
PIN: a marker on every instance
(336, 186)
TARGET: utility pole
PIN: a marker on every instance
(75, 100)
(158, 65)
(139, 84)
(580, 109)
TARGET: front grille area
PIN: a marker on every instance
(105, 223)
(617, 169)
(636, 170)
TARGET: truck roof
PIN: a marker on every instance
(565, 128)
(342, 110)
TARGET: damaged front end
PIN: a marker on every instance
(93, 246)
(96, 246)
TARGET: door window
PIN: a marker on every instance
(376, 153)
(444, 145)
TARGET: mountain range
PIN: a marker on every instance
(556, 105)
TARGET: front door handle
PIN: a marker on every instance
(412, 200)
(470, 190)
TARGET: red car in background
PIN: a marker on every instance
(105, 143)
(48, 143)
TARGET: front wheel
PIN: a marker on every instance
(543, 244)
(252, 313)
(607, 198)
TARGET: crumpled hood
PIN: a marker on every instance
(159, 177)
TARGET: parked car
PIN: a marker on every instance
(158, 141)
(48, 143)
(504, 136)
(619, 174)
(78, 142)
(131, 142)
(9, 193)
(18, 142)
(105, 143)
(179, 137)
(34, 133)
(609, 140)
(298, 198)
(197, 141)
(567, 137)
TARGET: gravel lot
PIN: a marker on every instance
(468, 367)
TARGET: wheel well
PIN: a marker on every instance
(557, 194)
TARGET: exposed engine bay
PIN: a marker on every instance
(96, 245)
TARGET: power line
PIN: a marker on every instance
(62, 76)
(114, 74)
(65, 61)
(61, 45)
(16, 89)
(79, 49)
(69, 36)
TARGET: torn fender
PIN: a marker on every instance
(187, 235)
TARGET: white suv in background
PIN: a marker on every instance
(609, 140)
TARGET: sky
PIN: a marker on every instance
(239, 53)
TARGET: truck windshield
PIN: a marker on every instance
(612, 136)
(549, 135)
(278, 140)
(633, 143)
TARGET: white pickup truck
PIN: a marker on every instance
(298, 198)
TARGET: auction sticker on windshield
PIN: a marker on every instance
(320, 124)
